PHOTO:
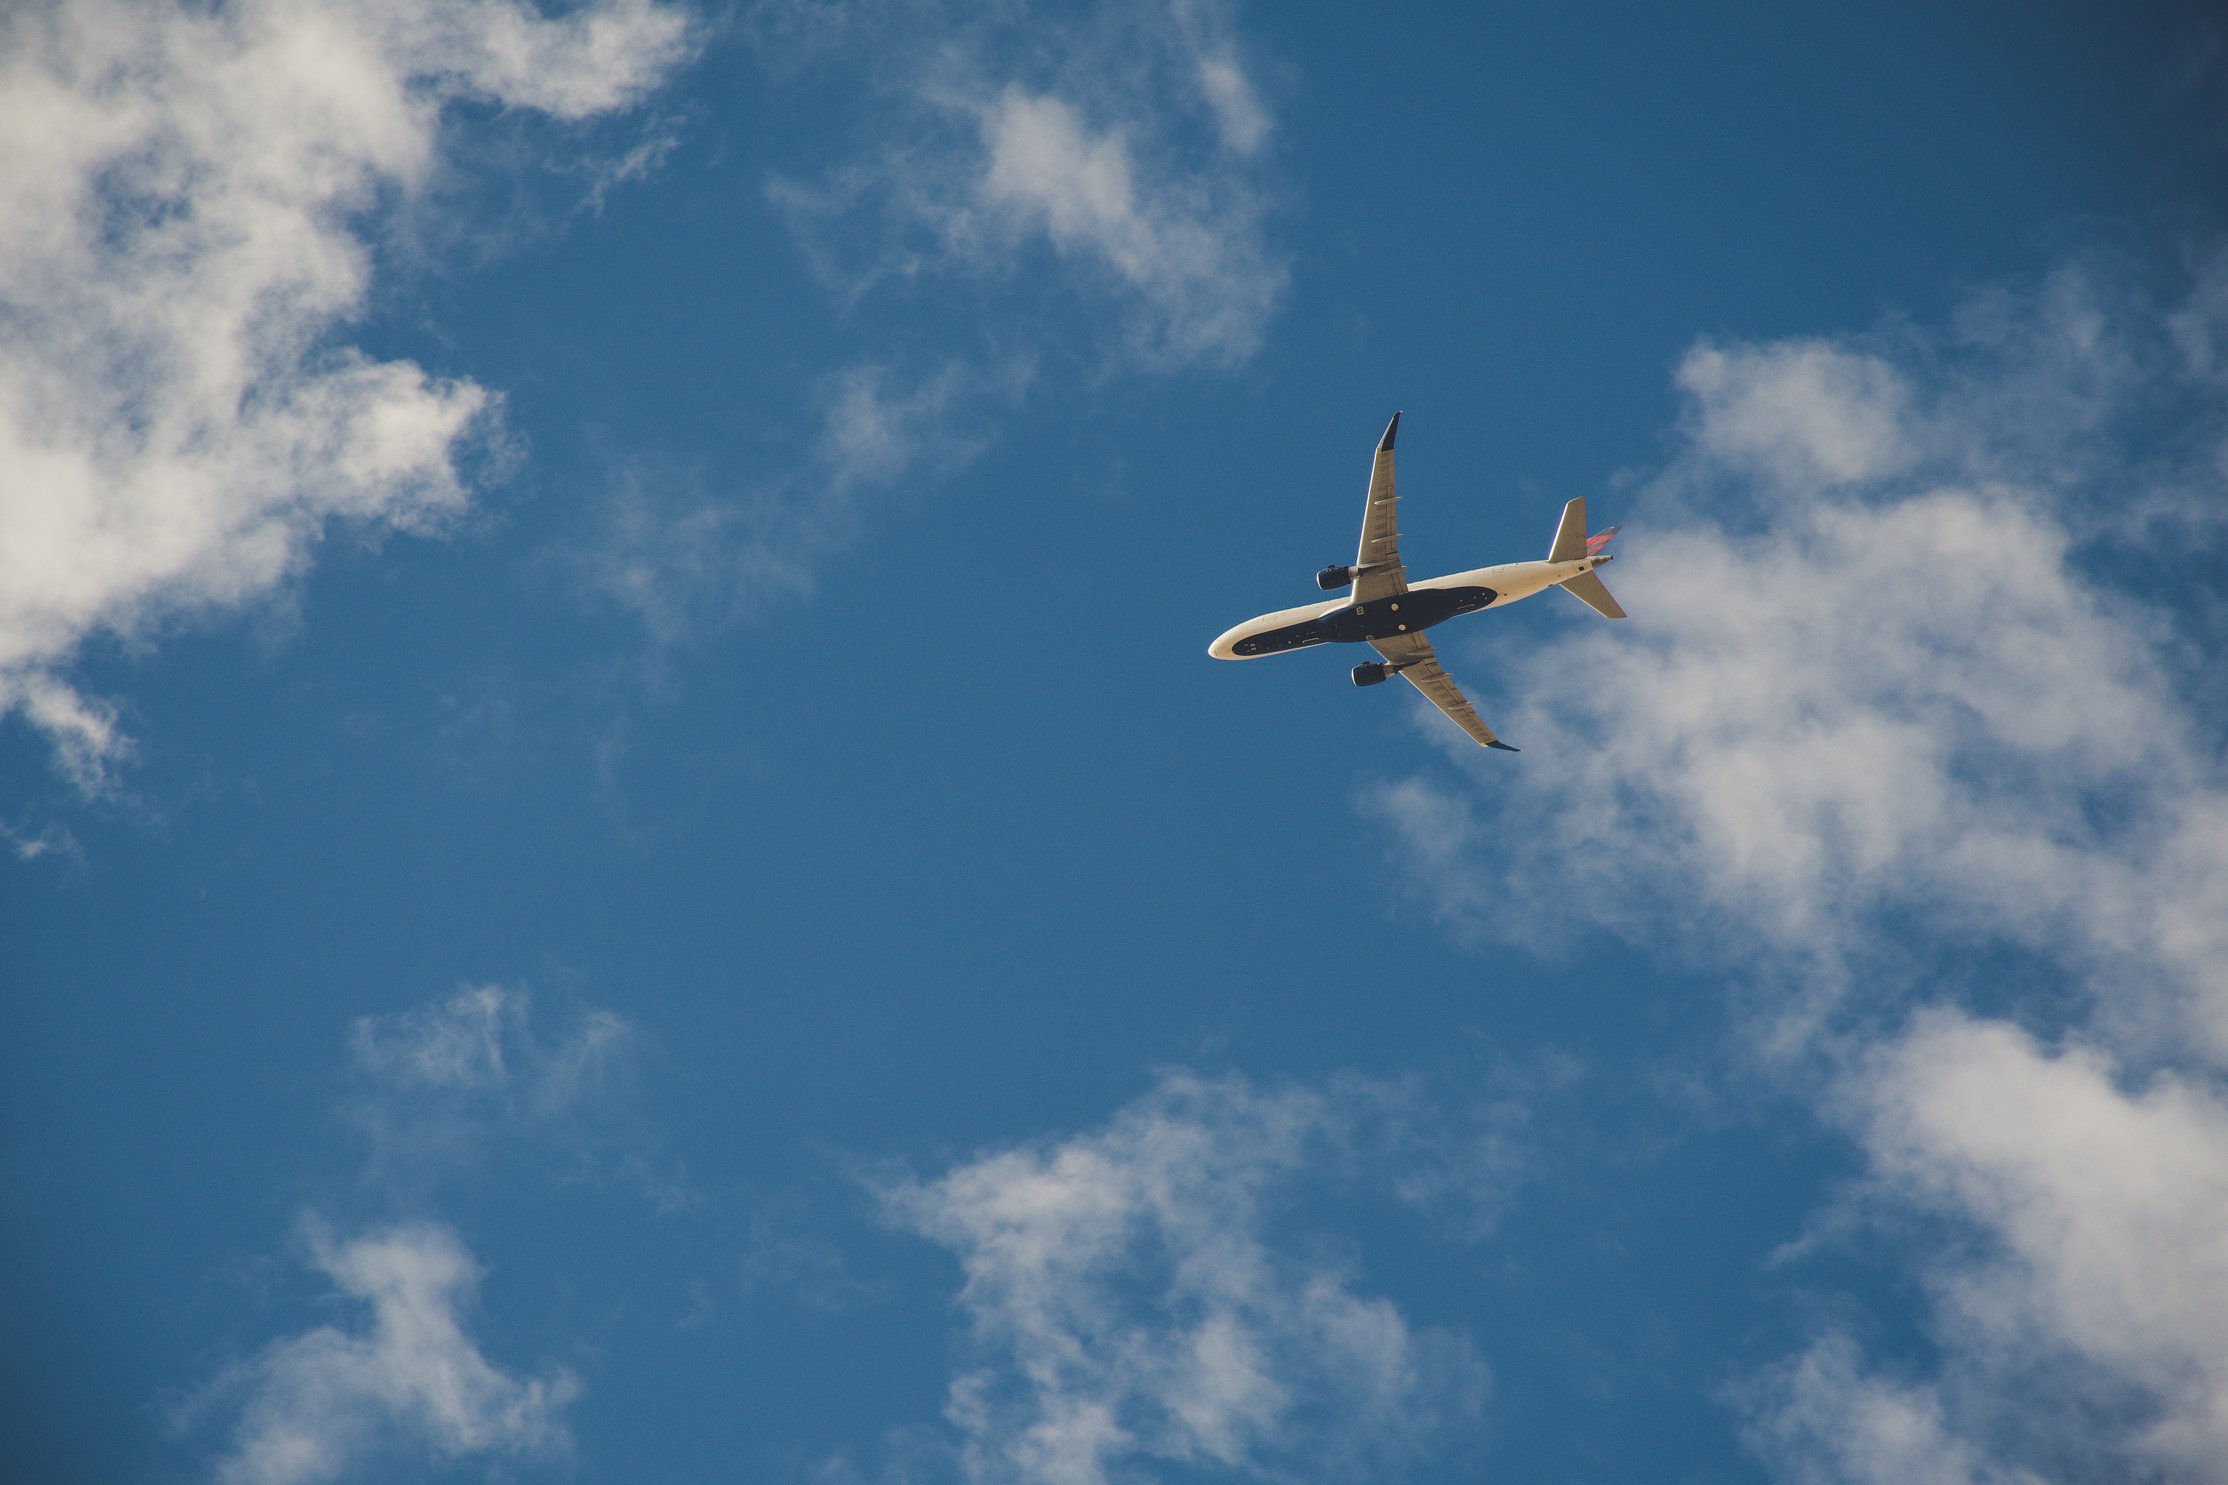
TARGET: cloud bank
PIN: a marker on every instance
(1894, 736)
(186, 198)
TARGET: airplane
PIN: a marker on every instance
(1385, 611)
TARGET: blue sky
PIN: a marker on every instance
(624, 861)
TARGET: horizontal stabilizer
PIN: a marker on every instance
(1588, 589)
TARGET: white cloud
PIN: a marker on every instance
(1880, 724)
(440, 1089)
(1912, 696)
(2104, 1211)
(1803, 412)
(184, 199)
(1127, 140)
(1238, 109)
(1127, 1304)
(324, 1403)
(1823, 1419)
(2083, 1311)
(1206, 294)
(31, 845)
(1900, 703)
(83, 730)
(878, 425)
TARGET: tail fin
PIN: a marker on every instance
(1570, 533)
(1572, 543)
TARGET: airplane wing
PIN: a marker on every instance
(1419, 667)
(1379, 558)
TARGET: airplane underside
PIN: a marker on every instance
(1405, 613)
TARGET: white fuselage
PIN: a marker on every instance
(1398, 613)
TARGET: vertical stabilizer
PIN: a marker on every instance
(1570, 535)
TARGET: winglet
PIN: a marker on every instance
(1504, 747)
(1385, 444)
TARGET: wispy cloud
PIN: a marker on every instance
(1125, 142)
(31, 845)
(1883, 724)
(785, 1254)
(681, 559)
(409, 1381)
(1128, 1303)
(185, 199)
(1824, 1418)
(441, 1086)
(1054, 186)
(439, 1089)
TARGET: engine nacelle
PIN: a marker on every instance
(1371, 673)
(1335, 577)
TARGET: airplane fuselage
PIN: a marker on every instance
(1434, 601)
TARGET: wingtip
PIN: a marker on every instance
(1504, 747)
(1384, 445)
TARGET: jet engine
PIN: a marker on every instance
(1335, 577)
(1371, 673)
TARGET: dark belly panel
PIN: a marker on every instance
(1403, 613)
(1406, 613)
(1276, 641)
